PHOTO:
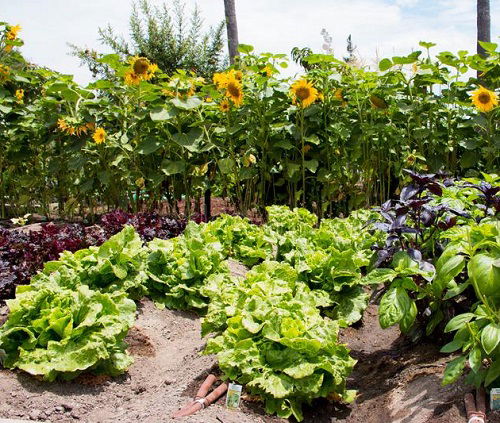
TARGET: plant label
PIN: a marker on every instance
(495, 399)
(233, 396)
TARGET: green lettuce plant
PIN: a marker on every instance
(241, 239)
(177, 268)
(118, 265)
(53, 331)
(275, 340)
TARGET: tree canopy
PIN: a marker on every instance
(167, 36)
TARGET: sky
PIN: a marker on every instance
(379, 28)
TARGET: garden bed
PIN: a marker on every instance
(397, 381)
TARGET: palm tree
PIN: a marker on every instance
(232, 29)
(483, 24)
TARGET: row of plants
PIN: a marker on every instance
(333, 140)
(272, 312)
(24, 252)
(433, 256)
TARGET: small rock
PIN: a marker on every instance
(139, 390)
(168, 382)
(75, 415)
(67, 406)
(35, 415)
(59, 409)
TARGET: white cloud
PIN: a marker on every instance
(407, 3)
(388, 27)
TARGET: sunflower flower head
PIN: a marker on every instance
(141, 69)
(303, 93)
(19, 95)
(484, 99)
(249, 160)
(180, 86)
(72, 126)
(99, 135)
(13, 32)
(234, 91)
(224, 106)
(168, 93)
(237, 74)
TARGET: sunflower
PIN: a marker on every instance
(168, 93)
(13, 31)
(141, 69)
(234, 91)
(484, 99)
(19, 95)
(304, 92)
(191, 91)
(224, 106)
(84, 128)
(99, 135)
(321, 97)
(8, 48)
(338, 94)
(249, 160)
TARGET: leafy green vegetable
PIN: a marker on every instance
(275, 340)
(177, 268)
(241, 239)
(281, 219)
(115, 266)
(54, 331)
(332, 258)
(264, 284)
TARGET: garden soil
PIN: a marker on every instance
(397, 382)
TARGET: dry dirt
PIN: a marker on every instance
(397, 382)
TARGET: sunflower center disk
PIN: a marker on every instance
(141, 66)
(484, 98)
(302, 93)
(233, 89)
